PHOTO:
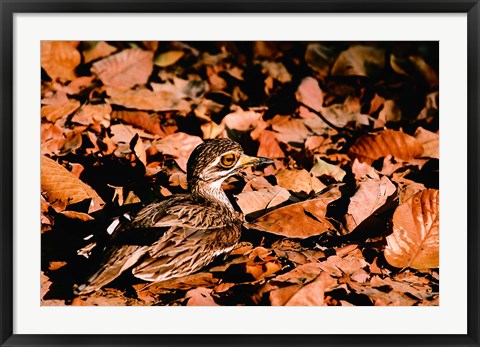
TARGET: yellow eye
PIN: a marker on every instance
(228, 160)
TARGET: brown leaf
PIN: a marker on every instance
(145, 99)
(415, 239)
(372, 193)
(59, 59)
(301, 274)
(299, 181)
(125, 69)
(168, 58)
(290, 130)
(277, 71)
(429, 141)
(322, 168)
(97, 50)
(359, 60)
(50, 131)
(61, 187)
(269, 147)
(54, 112)
(260, 270)
(300, 220)
(310, 94)
(369, 148)
(140, 119)
(241, 120)
(45, 285)
(78, 84)
(406, 188)
(261, 200)
(179, 146)
(88, 114)
(200, 297)
(313, 294)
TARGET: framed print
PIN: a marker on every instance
(239, 174)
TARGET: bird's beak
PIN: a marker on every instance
(246, 160)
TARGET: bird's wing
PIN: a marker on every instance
(154, 228)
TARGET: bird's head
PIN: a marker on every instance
(213, 161)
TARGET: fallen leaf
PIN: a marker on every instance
(369, 148)
(59, 59)
(359, 60)
(308, 216)
(241, 120)
(88, 114)
(168, 58)
(269, 146)
(97, 50)
(406, 188)
(414, 242)
(145, 99)
(178, 145)
(310, 94)
(54, 112)
(429, 141)
(313, 294)
(277, 71)
(125, 69)
(261, 200)
(371, 194)
(62, 188)
(322, 168)
(290, 130)
(140, 119)
(299, 181)
(200, 297)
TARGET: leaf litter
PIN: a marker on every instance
(348, 214)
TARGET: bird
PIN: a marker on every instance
(182, 234)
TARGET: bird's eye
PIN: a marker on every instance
(228, 160)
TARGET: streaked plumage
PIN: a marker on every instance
(180, 235)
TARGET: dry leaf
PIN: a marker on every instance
(261, 200)
(372, 193)
(310, 94)
(179, 146)
(88, 114)
(145, 99)
(429, 141)
(415, 239)
(299, 181)
(97, 50)
(140, 119)
(125, 69)
(59, 59)
(269, 147)
(322, 168)
(168, 58)
(309, 217)
(369, 148)
(54, 112)
(62, 188)
(359, 61)
(200, 297)
(313, 294)
(241, 120)
(290, 130)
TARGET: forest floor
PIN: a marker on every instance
(348, 214)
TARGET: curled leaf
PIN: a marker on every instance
(301, 220)
(369, 148)
(415, 239)
(61, 188)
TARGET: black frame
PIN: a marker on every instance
(9, 7)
